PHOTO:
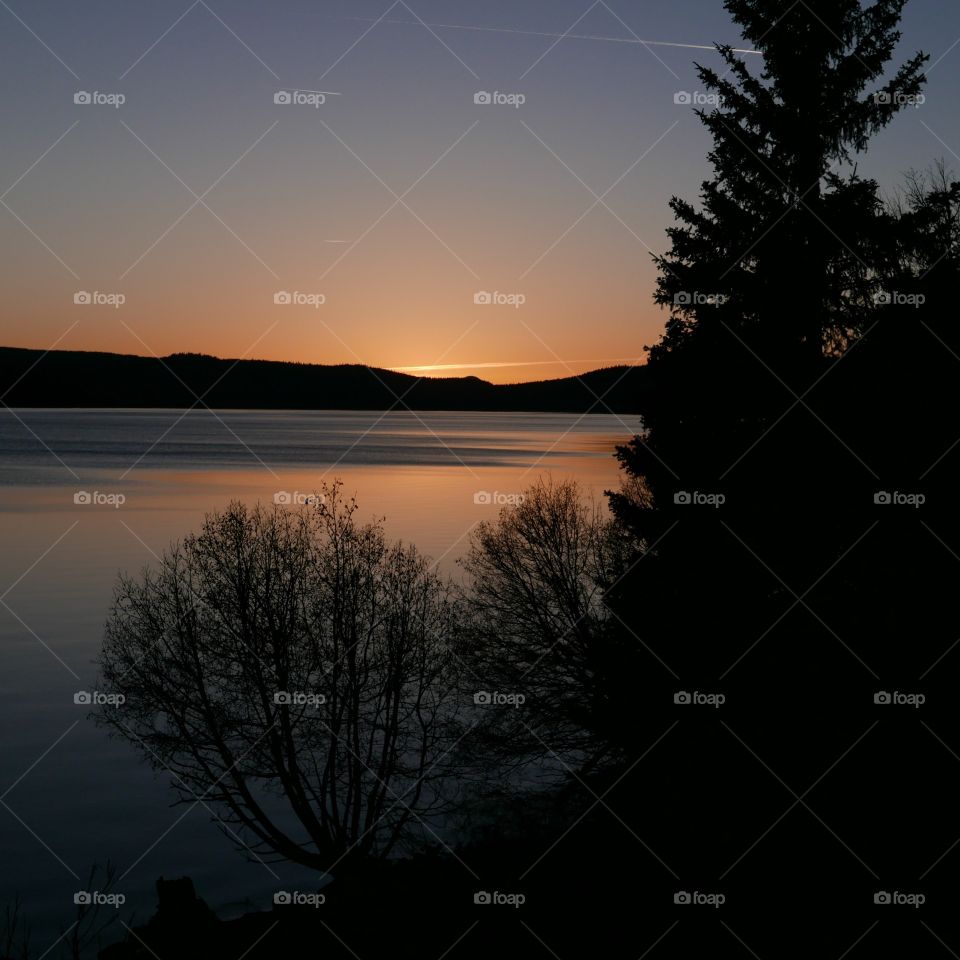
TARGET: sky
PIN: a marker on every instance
(398, 223)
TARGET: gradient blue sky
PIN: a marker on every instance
(304, 203)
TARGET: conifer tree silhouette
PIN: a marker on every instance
(791, 495)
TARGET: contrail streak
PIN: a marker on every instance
(552, 36)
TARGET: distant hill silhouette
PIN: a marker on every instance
(70, 378)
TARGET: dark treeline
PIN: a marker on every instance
(68, 378)
(795, 497)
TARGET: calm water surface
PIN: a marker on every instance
(71, 796)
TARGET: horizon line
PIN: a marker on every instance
(497, 364)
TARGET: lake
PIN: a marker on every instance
(87, 493)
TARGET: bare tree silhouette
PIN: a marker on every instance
(294, 670)
(540, 630)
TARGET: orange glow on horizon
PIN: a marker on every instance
(518, 371)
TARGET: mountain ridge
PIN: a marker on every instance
(89, 378)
